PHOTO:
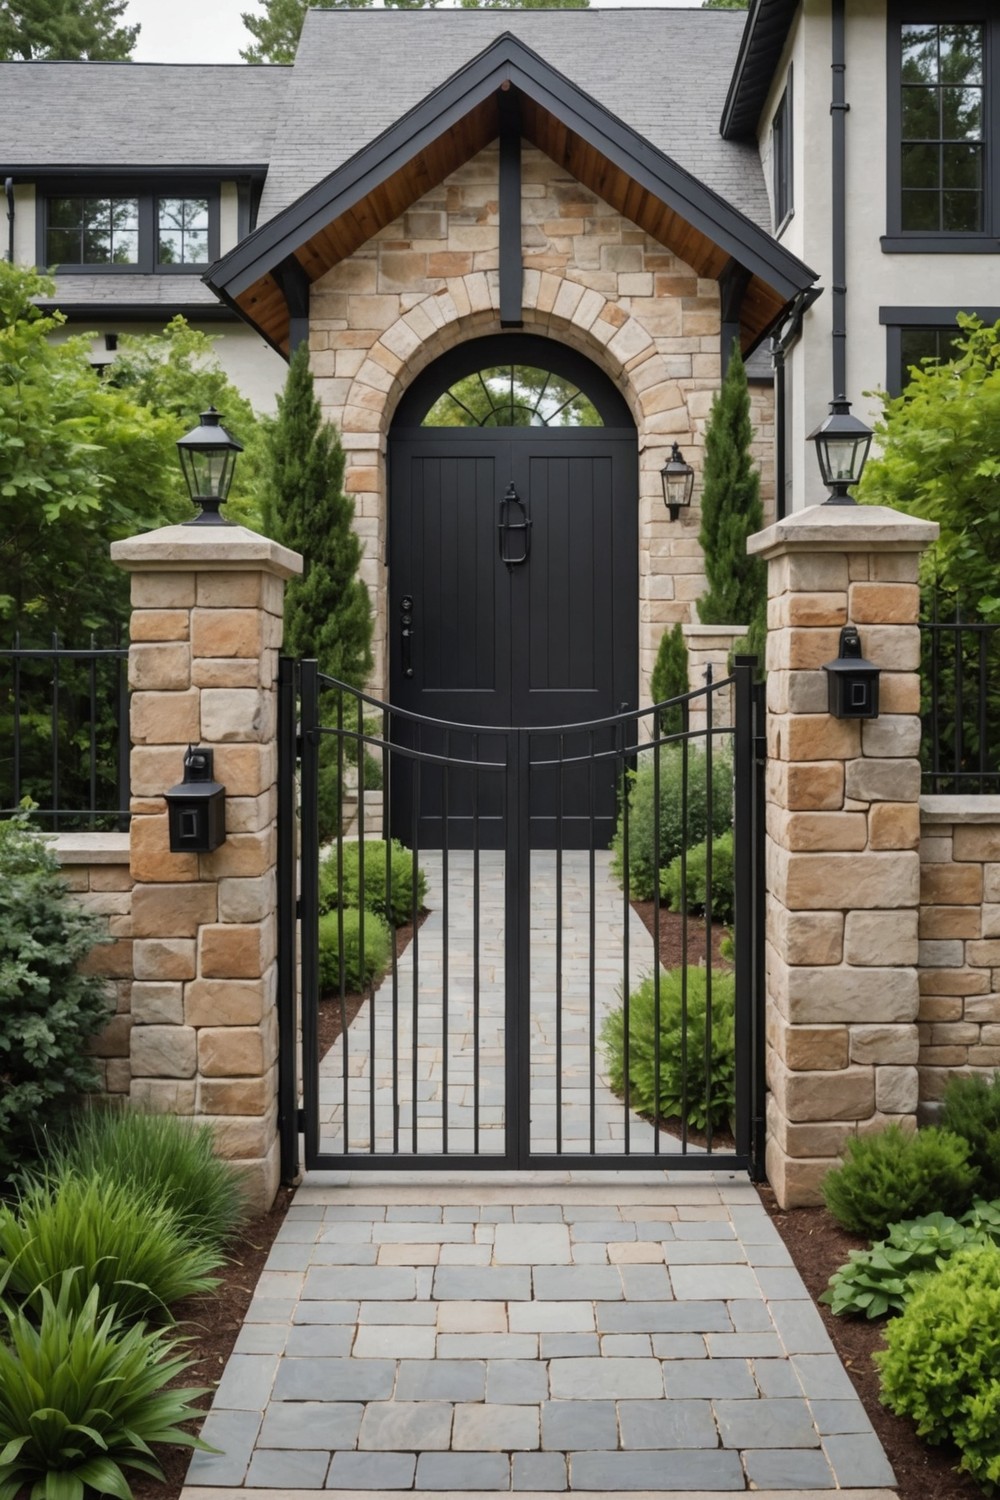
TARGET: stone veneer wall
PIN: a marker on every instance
(959, 1017)
(592, 280)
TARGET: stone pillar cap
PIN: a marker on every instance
(199, 549)
(844, 528)
(696, 631)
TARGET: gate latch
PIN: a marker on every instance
(514, 528)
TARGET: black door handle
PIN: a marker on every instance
(406, 634)
(511, 526)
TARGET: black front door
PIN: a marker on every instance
(513, 558)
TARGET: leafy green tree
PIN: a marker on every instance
(65, 30)
(939, 459)
(724, 4)
(731, 511)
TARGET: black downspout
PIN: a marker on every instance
(8, 188)
(838, 111)
(780, 434)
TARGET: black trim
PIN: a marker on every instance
(764, 37)
(509, 60)
(838, 194)
(939, 244)
(896, 320)
(137, 188)
(139, 312)
(517, 348)
(294, 283)
(783, 160)
(733, 283)
(511, 256)
(77, 172)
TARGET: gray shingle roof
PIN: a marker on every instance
(121, 288)
(123, 115)
(664, 72)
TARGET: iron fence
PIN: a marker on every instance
(64, 735)
(960, 705)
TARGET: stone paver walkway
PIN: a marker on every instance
(613, 1334)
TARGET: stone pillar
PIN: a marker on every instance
(206, 629)
(843, 832)
(710, 646)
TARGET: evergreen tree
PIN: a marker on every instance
(730, 512)
(327, 610)
(724, 4)
(65, 30)
(670, 679)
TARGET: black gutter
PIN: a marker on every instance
(764, 36)
(838, 205)
(780, 345)
(8, 188)
(203, 171)
(139, 312)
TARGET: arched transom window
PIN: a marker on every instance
(513, 395)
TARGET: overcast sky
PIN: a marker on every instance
(211, 30)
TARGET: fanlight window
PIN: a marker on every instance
(513, 396)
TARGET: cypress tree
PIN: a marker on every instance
(731, 511)
(670, 679)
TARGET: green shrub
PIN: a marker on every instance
(892, 1175)
(48, 1009)
(378, 942)
(670, 679)
(171, 1159)
(972, 1110)
(81, 1399)
(941, 1364)
(673, 881)
(682, 1090)
(878, 1281)
(123, 1243)
(335, 891)
(683, 812)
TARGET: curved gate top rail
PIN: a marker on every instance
(539, 869)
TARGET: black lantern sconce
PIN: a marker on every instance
(196, 809)
(208, 459)
(842, 444)
(678, 483)
(852, 681)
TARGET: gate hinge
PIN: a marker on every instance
(760, 748)
(300, 1120)
(298, 911)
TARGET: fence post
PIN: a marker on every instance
(206, 629)
(843, 831)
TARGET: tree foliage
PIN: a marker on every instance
(724, 4)
(940, 459)
(670, 679)
(54, 30)
(731, 512)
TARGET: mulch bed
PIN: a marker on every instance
(672, 936)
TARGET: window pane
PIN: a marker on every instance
(921, 211)
(921, 166)
(196, 247)
(961, 168)
(961, 55)
(916, 344)
(62, 247)
(183, 231)
(65, 213)
(919, 54)
(961, 114)
(513, 396)
(963, 213)
(171, 247)
(921, 120)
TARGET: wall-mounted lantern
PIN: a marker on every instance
(678, 483)
(852, 681)
(842, 444)
(196, 809)
(208, 460)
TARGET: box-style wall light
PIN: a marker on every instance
(196, 809)
(852, 681)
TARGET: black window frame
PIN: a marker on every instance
(973, 242)
(783, 161)
(147, 195)
(898, 320)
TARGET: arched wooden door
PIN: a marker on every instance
(513, 564)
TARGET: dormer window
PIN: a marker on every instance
(182, 232)
(124, 230)
(93, 232)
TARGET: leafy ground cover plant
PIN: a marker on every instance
(680, 1067)
(81, 1398)
(170, 1159)
(127, 1247)
(683, 883)
(878, 1281)
(340, 933)
(49, 1009)
(683, 812)
(340, 880)
(941, 1364)
(972, 1110)
(891, 1175)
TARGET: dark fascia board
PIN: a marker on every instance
(933, 317)
(764, 37)
(138, 312)
(508, 60)
(100, 171)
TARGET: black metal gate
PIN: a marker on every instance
(526, 1022)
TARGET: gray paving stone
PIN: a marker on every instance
(463, 1471)
(401, 1425)
(663, 1317)
(578, 1425)
(568, 1346)
(516, 1382)
(678, 1469)
(271, 1310)
(261, 1338)
(496, 1213)
(367, 1283)
(246, 1382)
(712, 1253)
(626, 1345)
(704, 1229)
(234, 1433)
(787, 1469)
(577, 1284)
(487, 1345)
(422, 1234)
(312, 1339)
(441, 1380)
(483, 1283)
(531, 1245)
(414, 1213)
(538, 1471)
(834, 1417)
(287, 1470)
(537, 1213)
(800, 1328)
(311, 1424)
(595, 1254)
(551, 1317)
(858, 1460)
(494, 1428)
(389, 1341)
(744, 1345)
(612, 1231)
(612, 1379)
(776, 1377)
(708, 1378)
(751, 1317)
(334, 1380)
(397, 1313)
(823, 1377)
(646, 1283)
(769, 1422)
(775, 1281)
(753, 1225)
(325, 1312)
(667, 1424)
(371, 1471)
(588, 1213)
(344, 1255)
(340, 1212)
(712, 1282)
(679, 1346)
(288, 1257)
(348, 1232)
